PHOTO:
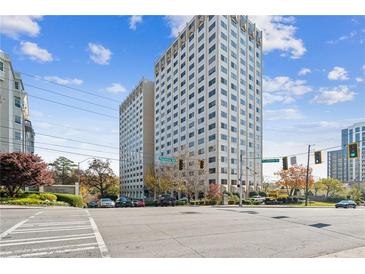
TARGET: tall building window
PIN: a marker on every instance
(1, 66)
(17, 136)
(16, 85)
(18, 120)
(17, 102)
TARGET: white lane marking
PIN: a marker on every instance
(5, 233)
(55, 224)
(54, 252)
(102, 247)
(48, 241)
(51, 228)
(26, 251)
(22, 231)
(45, 238)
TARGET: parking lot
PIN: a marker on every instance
(181, 232)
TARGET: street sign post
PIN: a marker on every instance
(167, 160)
(270, 161)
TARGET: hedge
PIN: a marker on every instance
(48, 196)
(73, 200)
(30, 201)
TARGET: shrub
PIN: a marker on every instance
(194, 202)
(181, 202)
(48, 196)
(73, 200)
(150, 203)
(252, 193)
(32, 196)
(30, 201)
(262, 194)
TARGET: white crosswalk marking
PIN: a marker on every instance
(59, 235)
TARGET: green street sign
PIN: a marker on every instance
(167, 159)
(270, 161)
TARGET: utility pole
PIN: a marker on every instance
(241, 187)
(307, 178)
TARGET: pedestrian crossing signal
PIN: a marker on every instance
(353, 151)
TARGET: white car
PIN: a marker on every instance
(106, 202)
(258, 198)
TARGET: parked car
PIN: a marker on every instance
(258, 198)
(92, 204)
(121, 202)
(346, 204)
(138, 203)
(166, 200)
(106, 202)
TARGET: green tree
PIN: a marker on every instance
(100, 178)
(330, 186)
(64, 171)
(151, 181)
(355, 194)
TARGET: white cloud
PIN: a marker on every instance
(351, 35)
(14, 26)
(115, 88)
(177, 23)
(283, 84)
(35, 53)
(269, 98)
(283, 114)
(280, 34)
(304, 71)
(363, 68)
(99, 54)
(330, 96)
(359, 79)
(134, 21)
(64, 81)
(338, 73)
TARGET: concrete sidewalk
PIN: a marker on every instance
(358, 252)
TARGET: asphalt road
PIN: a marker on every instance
(182, 232)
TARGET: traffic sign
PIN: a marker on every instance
(270, 160)
(167, 159)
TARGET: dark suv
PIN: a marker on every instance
(166, 200)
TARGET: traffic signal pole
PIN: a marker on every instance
(307, 178)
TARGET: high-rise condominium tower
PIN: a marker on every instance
(208, 101)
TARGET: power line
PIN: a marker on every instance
(72, 147)
(68, 87)
(68, 139)
(63, 95)
(70, 106)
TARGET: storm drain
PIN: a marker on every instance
(319, 225)
(280, 217)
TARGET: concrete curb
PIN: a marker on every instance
(358, 252)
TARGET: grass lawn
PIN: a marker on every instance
(324, 204)
(30, 201)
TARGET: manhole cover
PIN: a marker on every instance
(320, 225)
(280, 217)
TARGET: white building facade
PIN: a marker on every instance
(136, 131)
(339, 165)
(16, 131)
(208, 100)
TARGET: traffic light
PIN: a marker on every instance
(181, 164)
(285, 163)
(352, 151)
(318, 157)
(201, 164)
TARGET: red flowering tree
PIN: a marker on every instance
(18, 170)
(214, 192)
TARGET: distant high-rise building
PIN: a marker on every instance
(340, 166)
(16, 132)
(136, 131)
(208, 100)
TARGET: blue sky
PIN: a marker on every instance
(313, 66)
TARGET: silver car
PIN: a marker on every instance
(106, 202)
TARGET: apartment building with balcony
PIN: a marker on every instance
(16, 131)
(208, 100)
